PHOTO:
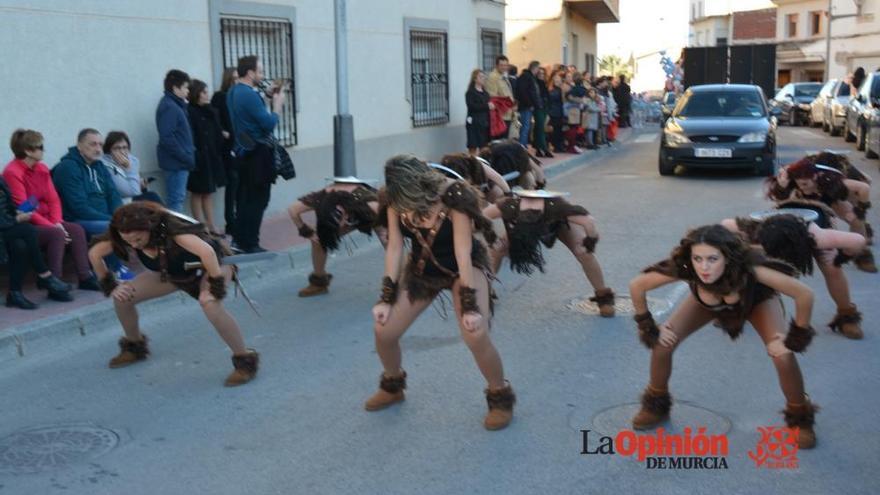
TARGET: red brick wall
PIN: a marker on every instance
(754, 24)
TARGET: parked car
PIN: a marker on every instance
(862, 106)
(720, 126)
(792, 103)
(834, 109)
(870, 92)
(817, 107)
(666, 106)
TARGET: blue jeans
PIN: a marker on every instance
(525, 118)
(93, 227)
(175, 189)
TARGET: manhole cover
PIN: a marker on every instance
(622, 305)
(614, 419)
(52, 447)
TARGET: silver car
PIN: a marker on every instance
(817, 107)
(833, 107)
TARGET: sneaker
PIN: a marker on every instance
(124, 274)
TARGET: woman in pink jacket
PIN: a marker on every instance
(29, 182)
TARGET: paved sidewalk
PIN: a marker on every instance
(20, 329)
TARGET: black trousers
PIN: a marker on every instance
(556, 138)
(230, 196)
(23, 248)
(256, 175)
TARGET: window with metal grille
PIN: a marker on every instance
(490, 41)
(272, 41)
(430, 83)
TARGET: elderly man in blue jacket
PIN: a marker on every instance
(175, 152)
(88, 195)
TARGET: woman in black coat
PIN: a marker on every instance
(218, 101)
(478, 106)
(208, 139)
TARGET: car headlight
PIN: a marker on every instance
(753, 137)
(676, 139)
(804, 106)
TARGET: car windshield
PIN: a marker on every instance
(810, 90)
(843, 89)
(723, 104)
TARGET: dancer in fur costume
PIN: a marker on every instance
(508, 155)
(346, 205)
(532, 218)
(859, 193)
(163, 242)
(798, 242)
(806, 182)
(440, 217)
(730, 283)
(478, 173)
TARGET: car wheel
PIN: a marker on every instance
(767, 168)
(860, 138)
(792, 118)
(825, 126)
(847, 135)
(663, 166)
(833, 131)
(869, 153)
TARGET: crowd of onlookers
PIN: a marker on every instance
(45, 214)
(552, 109)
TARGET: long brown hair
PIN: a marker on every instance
(411, 185)
(738, 258)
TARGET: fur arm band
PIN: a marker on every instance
(468, 298)
(108, 283)
(648, 331)
(389, 291)
(798, 338)
(217, 287)
(590, 243)
(306, 232)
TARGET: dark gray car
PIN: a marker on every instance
(720, 126)
(792, 103)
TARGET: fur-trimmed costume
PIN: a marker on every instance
(432, 266)
(508, 156)
(830, 185)
(729, 317)
(839, 162)
(787, 239)
(356, 205)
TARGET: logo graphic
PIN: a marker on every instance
(777, 448)
(663, 450)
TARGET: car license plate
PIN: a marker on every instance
(712, 153)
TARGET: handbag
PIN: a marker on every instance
(281, 160)
(515, 126)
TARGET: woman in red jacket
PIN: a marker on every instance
(29, 181)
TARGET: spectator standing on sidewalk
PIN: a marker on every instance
(540, 133)
(124, 168)
(252, 126)
(623, 96)
(175, 151)
(30, 181)
(218, 101)
(554, 110)
(498, 86)
(478, 106)
(591, 118)
(208, 139)
(529, 98)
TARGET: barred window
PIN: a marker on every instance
(272, 41)
(490, 45)
(430, 83)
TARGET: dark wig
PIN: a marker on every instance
(739, 258)
(840, 162)
(327, 212)
(524, 241)
(787, 238)
(466, 166)
(507, 156)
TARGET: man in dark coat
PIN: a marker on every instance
(623, 97)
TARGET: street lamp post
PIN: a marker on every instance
(343, 124)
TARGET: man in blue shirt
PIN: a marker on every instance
(175, 152)
(252, 127)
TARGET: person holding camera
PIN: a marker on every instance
(124, 169)
(252, 125)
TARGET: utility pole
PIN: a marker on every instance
(828, 43)
(343, 124)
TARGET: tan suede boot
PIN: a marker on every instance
(848, 322)
(246, 366)
(802, 416)
(500, 403)
(130, 352)
(318, 284)
(390, 392)
(655, 409)
(865, 261)
(604, 298)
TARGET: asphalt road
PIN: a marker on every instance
(169, 426)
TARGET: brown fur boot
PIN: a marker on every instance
(130, 352)
(604, 298)
(500, 403)
(390, 392)
(246, 366)
(318, 284)
(802, 416)
(848, 322)
(865, 261)
(655, 409)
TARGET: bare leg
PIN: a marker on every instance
(687, 318)
(147, 285)
(844, 209)
(319, 259)
(769, 321)
(403, 314)
(195, 203)
(498, 252)
(835, 280)
(208, 208)
(223, 322)
(485, 353)
(573, 238)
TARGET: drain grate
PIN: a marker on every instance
(622, 305)
(53, 447)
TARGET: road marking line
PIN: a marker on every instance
(646, 138)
